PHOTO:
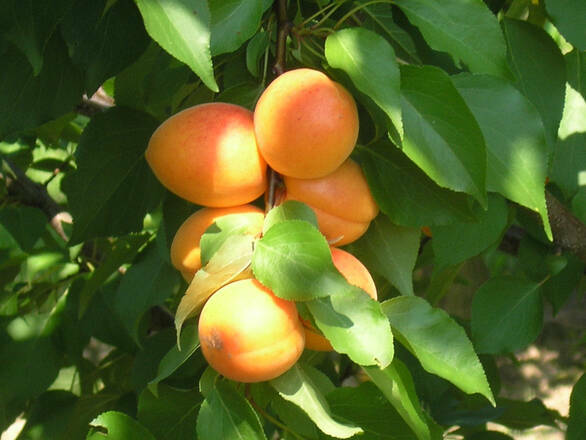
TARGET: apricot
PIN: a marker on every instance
(248, 334)
(207, 154)
(342, 202)
(306, 125)
(356, 274)
(185, 248)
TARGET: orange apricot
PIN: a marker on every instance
(306, 125)
(248, 334)
(356, 274)
(185, 248)
(207, 154)
(342, 202)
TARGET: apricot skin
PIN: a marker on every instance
(207, 154)
(342, 202)
(306, 125)
(185, 249)
(357, 275)
(248, 334)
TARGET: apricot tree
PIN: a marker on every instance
(212, 214)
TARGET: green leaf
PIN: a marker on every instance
(229, 16)
(294, 260)
(123, 250)
(299, 387)
(457, 242)
(576, 423)
(406, 194)
(576, 69)
(226, 415)
(113, 187)
(524, 415)
(398, 387)
(568, 16)
(146, 284)
(441, 134)
(579, 204)
(176, 356)
(558, 289)
(172, 414)
(230, 261)
(466, 29)
(29, 25)
(224, 227)
(294, 417)
(540, 72)
(355, 325)
(54, 91)
(507, 315)
(94, 34)
(119, 427)
(370, 62)
(25, 225)
(438, 342)
(289, 210)
(255, 49)
(391, 251)
(515, 139)
(182, 28)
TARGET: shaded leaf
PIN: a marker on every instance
(297, 386)
(507, 315)
(568, 16)
(576, 69)
(441, 134)
(438, 342)
(182, 28)
(370, 62)
(577, 424)
(233, 22)
(391, 251)
(467, 30)
(524, 415)
(119, 427)
(255, 49)
(23, 224)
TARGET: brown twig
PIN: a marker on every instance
(568, 231)
(283, 28)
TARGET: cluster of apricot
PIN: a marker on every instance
(304, 127)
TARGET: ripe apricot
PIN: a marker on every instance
(356, 274)
(207, 154)
(185, 249)
(306, 125)
(341, 200)
(248, 334)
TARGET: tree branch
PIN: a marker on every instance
(568, 231)
(283, 28)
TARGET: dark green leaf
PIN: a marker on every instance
(457, 242)
(54, 91)
(172, 414)
(524, 415)
(233, 22)
(579, 204)
(467, 30)
(576, 68)
(147, 359)
(299, 387)
(182, 28)
(370, 62)
(507, 315)
(119, 427)
(441, 135)
(569, 163)
(293, 259)
(515, 140)
(24, 224)
(355, 325)
(255, 49)
(540, 72)
(405, 194)
(568, 16)
(113, 187)
(398, 387)
(558, 289)
(226, 415)
(368, 408)
(146, 284)
(176, 357)
(577, 423)
(289, 210)
(29, 25)
(294, 417)
(438, 342)
(94, 31)
(391, 251)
